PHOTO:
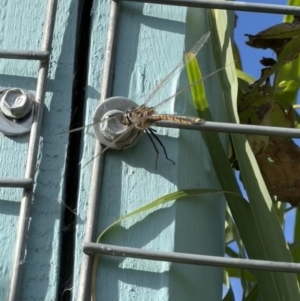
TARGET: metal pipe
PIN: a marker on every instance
(33, 147)
(92, 212)
(230, 5)
(25, 55)
(223, 127)
(16, 183)
(263, 265)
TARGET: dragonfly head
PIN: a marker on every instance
(140, 117)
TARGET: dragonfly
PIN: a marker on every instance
(143, 117)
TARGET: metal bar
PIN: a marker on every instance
(16, 183)
(223, 127)
(263, 265)
(25, 55)
(84, 292)
(33, 147)
(230, 5)
(92, 248)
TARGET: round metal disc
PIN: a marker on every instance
(108, 128)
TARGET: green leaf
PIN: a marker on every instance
(253, 295)
(288, 54)
(237, 57)
(296, 250)
(287, 79)
(229, 295)
(289, 18)
(236, 273)
(181, 194)
(270, 241)
(245, 77)
(287, 84)
(258, 225)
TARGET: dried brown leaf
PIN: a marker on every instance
(280, 168)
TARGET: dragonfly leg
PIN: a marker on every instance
(148, 132)
(152, 131)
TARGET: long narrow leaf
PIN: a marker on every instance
(296, 249)
(270, 242)
(181, 194)
(256, 236)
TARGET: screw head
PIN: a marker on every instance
(108, 128)
(111, 126)
(16, 103)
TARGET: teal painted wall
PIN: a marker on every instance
(21, 25)
(151, 40)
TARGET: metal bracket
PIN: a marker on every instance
(16, 111)
(108, 128)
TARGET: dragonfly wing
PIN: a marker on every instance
(116, 116)
(190, 86)
(200, 43)
(195, 49)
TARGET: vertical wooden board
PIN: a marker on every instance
(21, 25)
(203, 231)
(151, 41)
(100, 17)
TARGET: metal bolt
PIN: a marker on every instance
(16, 103)
(108, 128)
(111, 126)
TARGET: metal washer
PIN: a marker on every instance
(111, 129)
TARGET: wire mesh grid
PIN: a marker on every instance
(26, 183)
(90, 248)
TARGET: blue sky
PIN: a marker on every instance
(252, 23)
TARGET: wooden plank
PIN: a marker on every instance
(151, 41)
(21, 28)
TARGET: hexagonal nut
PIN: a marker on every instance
(16, 103)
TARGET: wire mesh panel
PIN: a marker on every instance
(130, 166)
(147, 173)
(33, 142)
(31, 216)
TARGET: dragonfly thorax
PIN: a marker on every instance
(139, 117)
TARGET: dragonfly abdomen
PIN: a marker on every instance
(143, 117)
(179, 119)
